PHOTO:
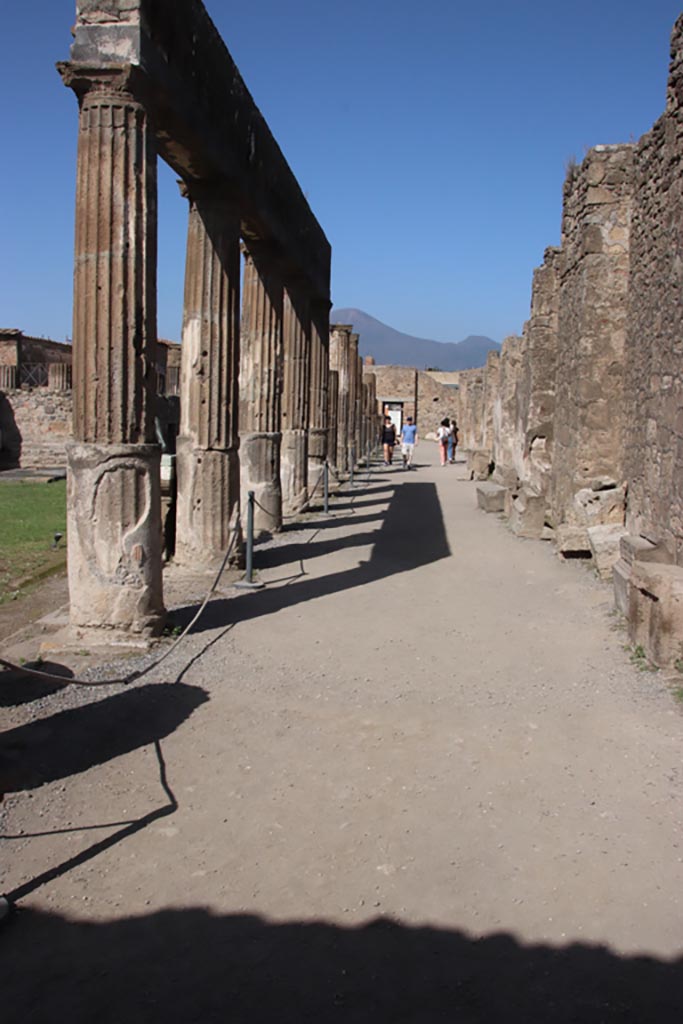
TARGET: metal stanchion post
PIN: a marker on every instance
(248, 583)
(326, 487)
(352, 459)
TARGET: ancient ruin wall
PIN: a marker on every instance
(507, 449)
(655, 332)
(490, 397)
(471, 409)
(589, 417)
(536, 386)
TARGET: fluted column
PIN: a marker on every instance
(340, 352)
(358, 438)
(295, 397)
(260, 385)
(320, 365)
(332, 415)
(353, 397)
(113, 495)
(208, 442)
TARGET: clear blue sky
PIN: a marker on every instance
(430, 138)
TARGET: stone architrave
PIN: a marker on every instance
(208, 442)
(296, 322)
(260, 385)
(113, 499)
(320, 365)
(340, 361)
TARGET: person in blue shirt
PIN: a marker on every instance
(408, 442)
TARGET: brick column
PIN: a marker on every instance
(353, 397)
(113, 500)
(208, 442)
(320, 365)
(295, 397)
(260, 385)
(340, 361)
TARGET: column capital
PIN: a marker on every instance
(112, 82)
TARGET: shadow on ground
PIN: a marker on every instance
(189, 965)
(412, 535)
(72, 741)
(16, 687)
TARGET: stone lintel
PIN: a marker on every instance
(207, 123)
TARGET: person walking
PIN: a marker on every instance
(408, 442)
(388, 440)
(453, 442)
(442, 435)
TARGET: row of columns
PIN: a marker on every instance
(265, 399)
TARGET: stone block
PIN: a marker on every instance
(478, 463)
(598, 507)
(527, 514)
(571, 540)
(604, 545)
(655, 618)
(621, 579)
(491, 497)
(634, 548)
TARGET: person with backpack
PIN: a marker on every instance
(442, 435)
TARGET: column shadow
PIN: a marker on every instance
(69, 742)
(178, 966)
(412, 535)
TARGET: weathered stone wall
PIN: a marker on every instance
(589, 411)
(471, 409)
(507, 448)
(35, 427)
(654, 421)
(537, 386)
(424, 398)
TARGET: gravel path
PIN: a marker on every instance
(415, 778)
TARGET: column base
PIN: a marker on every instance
(294, 469)
(317, 453)
(114, 538)
(260, 473)
(208, 492)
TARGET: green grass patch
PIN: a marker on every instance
(30, 515)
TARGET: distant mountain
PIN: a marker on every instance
(389, 346)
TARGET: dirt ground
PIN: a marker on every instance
(416, 778)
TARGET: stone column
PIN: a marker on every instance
(359, 435)
(295, 397)
(207, 449)
(353, 398)
(59, 376)
(260, 385)
(320, 364)
(113, 499)
(340, 360)
(332, 416)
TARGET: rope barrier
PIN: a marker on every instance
(138, 673)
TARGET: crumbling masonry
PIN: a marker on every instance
(582, 417)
